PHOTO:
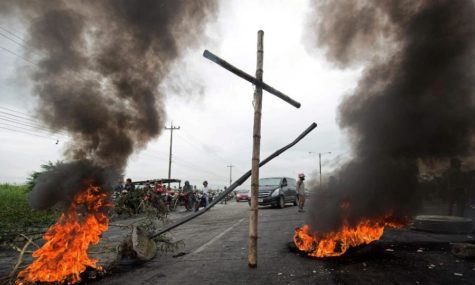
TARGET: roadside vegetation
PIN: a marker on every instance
(16, 215)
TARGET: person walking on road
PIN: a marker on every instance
(301, 191)
(206, 192)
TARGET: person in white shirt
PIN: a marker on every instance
(301, 191)
(205, 192)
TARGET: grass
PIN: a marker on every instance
(16, 215)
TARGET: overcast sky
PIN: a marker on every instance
(212, 106)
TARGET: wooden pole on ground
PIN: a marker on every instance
(256, 150)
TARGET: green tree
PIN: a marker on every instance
(31, 180)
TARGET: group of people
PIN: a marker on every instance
(190, 196)
(131, 199)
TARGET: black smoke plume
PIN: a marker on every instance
(414, 104)
(98, 75)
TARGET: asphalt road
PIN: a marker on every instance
(215, 252)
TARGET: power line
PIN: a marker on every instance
(32, 125)
(195, 166)
(27, 133)
(25, 121)
(151, 154)
(28, 130)
(15, 54)
(18, 43)
(34, 128)
(183, 162)
(184, 165)
(20, 38)
(7, 37)
(14, 111)
(16, 122)
(203, 146)
(200, 170)
(16, 116)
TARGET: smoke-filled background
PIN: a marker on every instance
(100, 66)
(414, 105)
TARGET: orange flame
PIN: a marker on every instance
(338, 242)
(64, 255)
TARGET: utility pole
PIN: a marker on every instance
(320, 163)
(259, 86)
(230, 174)
(171, 129)
(230, 181)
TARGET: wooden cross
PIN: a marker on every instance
(260, 85)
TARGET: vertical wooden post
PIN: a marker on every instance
(256, 150)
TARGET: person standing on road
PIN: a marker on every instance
(205, 192)
(188, 192)
(301, 191)
(129, 186)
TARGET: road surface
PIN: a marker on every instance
(215, 252)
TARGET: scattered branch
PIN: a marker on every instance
(20, 259)
(30, 240)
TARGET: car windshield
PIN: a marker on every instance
(269, 182)
(242, 191)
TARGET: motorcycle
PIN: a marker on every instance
(181, 199)
(199, 201)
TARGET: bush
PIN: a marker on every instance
(16, 215)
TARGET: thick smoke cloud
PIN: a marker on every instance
(99, 76)
(414, 104)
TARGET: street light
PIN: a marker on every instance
(320, 162)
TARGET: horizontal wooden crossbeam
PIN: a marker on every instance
(226, 65)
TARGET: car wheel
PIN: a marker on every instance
(281, 202)
(249, 202)
(295, 202)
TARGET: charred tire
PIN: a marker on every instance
(443, 224)
(281, 204)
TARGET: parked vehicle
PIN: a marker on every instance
(277, 191)
(242, 195)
